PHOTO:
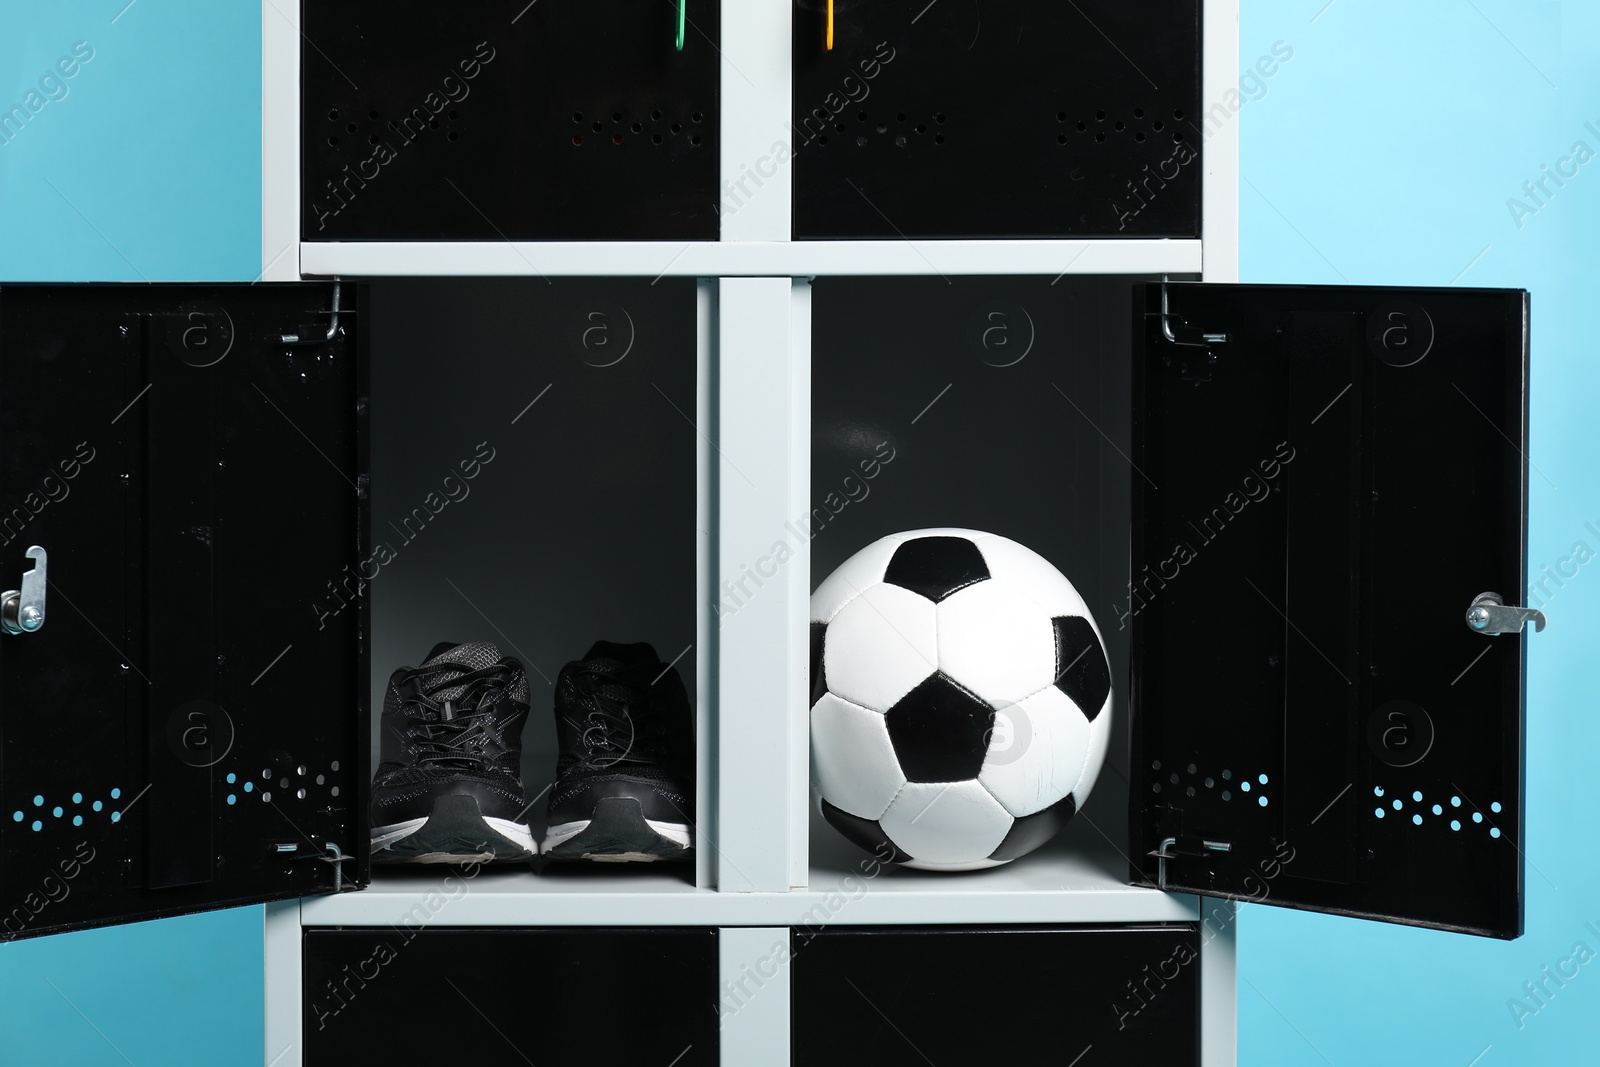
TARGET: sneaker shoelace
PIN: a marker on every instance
(606, 729)
(458, 733)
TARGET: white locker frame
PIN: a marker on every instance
(754, 308)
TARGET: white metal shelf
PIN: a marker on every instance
(727, 259)
(1072, 880)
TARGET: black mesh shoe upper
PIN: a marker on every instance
(625, 730)
(457, 723)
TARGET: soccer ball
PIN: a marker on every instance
(960, 699)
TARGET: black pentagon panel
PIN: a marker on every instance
(819, 678)
(940, 731)
(864, 832)
(1081, 668)
(936, 566)
(1031, 831)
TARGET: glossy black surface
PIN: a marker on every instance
(195, 483)
(1317, 501)
(1061, 995)
(1009, 118)
(510, 120)
(412, 993)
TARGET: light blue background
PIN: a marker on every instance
(1384, 152)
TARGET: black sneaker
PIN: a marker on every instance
(625, 779)
(456, 794)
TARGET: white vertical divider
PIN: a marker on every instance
(1219, 198)
(760, 623)
(280, 141)
(754, 995)
(282, 971)
(797, 576)
(757, 188)
(705, 569)
(1219, 982)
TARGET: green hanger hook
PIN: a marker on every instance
(683, 6)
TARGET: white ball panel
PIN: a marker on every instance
(860, 572)
(1031, 574)
(880, 646)
(852, 760)
(1036, 753)
(1099, 743)
(996, 642)
(946, 823)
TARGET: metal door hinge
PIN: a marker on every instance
(1179, 334)
(1192, 847)
(1492, 616)
(22, 610)
(316, 335)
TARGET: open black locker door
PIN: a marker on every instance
(182, 686)
(1325, 717)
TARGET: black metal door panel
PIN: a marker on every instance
(1317, 502)
(509, 120)
(1105, 995)
(410, 993)
(186, 730)
(1008, 118)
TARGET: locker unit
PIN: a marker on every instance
(280, 492)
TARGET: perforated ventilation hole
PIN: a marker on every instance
(1455, 802)
(883, 127)
(900, 141)
(1173, 778)
(333, 766)
(1262, 801)
(1191, 768)
(1061, 116)
(656, 139)
(1398, 804)
(1495, 807)
(616, 116)
(1437, 810)
(939, 118)
(577, 116)
(300, 770)
(116, 794)
(1155, 765)
(266, 796)
(300, 793)
(373, 115)
(1061, 139)
(655, 116)
(676, 127)
(1211, 783)
(116, 816)
(861, 116)
(319, 779)
(17, 816)
(1477, 816)
(1227, 795)
(56, 811)
(77, 798)
(1119, 127)
(266, 775)
(695, 140)
(1137, 137)
(1244, 784)
(283, 783)
(1155, 787)
(597, 127)
(1416, 820)
(577, 139)
(37, 826)
(1377, 790)
(96, 806)
(616, 138)
(1227, 775)
(1138, 112)
(697, 117)
(334, 791)
(1178, 114)
(232, 799)
(38, 801)
(1494, 831)
(77, 820)
(861, 140)
(351, 128)
(822, 139)
(333, 141)
(1417, 795)
(1455, 824)
(1100, 116)
(1262, 779)
(1100, 138)
(454, 115)
(1377, 813)
(1158, 125)
(938, 138)
(248, 786)
(637, 127)
(1189, 791)
(1177, 137)
(333, 115)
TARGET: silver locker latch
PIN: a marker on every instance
(1491, 616)
(22, 611)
